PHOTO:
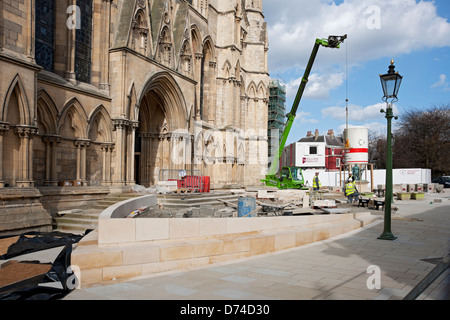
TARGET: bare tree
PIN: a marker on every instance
(377, 150)
(422, 140)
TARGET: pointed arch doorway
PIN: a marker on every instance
(162, 130)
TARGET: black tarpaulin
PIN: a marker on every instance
(54, 284)
(37, 241)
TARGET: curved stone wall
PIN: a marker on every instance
(124, 248)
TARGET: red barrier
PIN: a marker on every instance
(206, 184)
(192, 183)
(199, 183)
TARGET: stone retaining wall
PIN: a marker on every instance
(123, 248)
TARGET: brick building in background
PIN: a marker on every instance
(315, 152)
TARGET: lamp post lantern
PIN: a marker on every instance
(390, 83)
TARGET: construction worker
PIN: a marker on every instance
(350, 191)
(316, 182)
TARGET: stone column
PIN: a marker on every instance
(120, 126)
(133, 125)
(197, 151)
(104, 81)
(242, 111)
(104, 148)
(78, 175)
(51, 142)
(107, 149)
(25, 165)
(4, 127)
(189, 159)
(1, 34)
(180, 145)
(163, 150)
(198, 71)
(170, 140)
(144, 160)
(149, 161)
(71, 34)
(81, 160)
(153, 156)
(212, 92)
(184, 140)
(48, 155)
(30, 29)
(83, 164)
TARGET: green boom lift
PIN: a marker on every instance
(292, 177)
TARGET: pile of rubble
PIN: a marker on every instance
(268, 202)
(159, 189)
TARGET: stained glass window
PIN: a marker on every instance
(83, 42)
(45, 33)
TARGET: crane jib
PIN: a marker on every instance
(331, 42)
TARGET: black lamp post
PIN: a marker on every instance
(391, 84)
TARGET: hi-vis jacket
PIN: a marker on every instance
(350, 188)
(315, 180)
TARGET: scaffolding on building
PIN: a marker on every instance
(277, 115)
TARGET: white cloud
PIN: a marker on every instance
(442, 83)
(357, 113)
(379, 128)
(303, 117)
(404, 26)
(318, 87)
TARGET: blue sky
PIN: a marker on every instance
(416, 34)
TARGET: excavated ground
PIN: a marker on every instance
(227, 210)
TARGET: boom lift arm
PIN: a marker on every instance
(331, 42)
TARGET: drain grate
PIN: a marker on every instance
(406, 219)
(441, 265)
(433, 260)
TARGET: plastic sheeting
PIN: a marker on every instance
(57, 282)
(37, 241)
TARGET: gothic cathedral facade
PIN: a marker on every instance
(120, 92)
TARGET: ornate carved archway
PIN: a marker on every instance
(163, 127)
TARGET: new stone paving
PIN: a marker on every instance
(353, 266)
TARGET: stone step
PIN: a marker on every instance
(194, 205)
(74, 225)
(119, 198)
(113, 199)
(104, 204)
(76, 220)
(73, 228)
(188, 201)
(79, 220)
(82, 216)
(123, 196)
(196, 195)
(79, 225)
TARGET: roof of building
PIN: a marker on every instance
(334, 141)
(329, 141)
(312, 139)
